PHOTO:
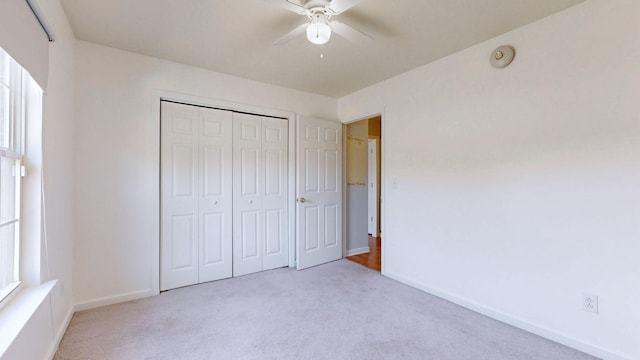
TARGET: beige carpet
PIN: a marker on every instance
(339, 310)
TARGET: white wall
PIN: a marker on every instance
(40, 336)
(115, 167)
(518, 189)
(357, 207)
(58, 158)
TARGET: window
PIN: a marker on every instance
(11, 150)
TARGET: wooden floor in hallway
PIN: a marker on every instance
(372, 259)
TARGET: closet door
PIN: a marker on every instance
(260, 218)
(196, 195)
(179, 195)
(274, 201)
(215, 189)
(248, 175)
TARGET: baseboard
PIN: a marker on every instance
(60, 333)
(358, 251)
(518, 322)
(115, 299)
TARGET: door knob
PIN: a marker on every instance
(302, 200)
(250, 201)
(215, 202)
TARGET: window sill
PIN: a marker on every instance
(19, 310)
(8, 293)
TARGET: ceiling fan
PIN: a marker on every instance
(319, 29)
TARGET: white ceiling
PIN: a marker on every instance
(235, 36)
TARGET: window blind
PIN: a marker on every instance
(23, 37)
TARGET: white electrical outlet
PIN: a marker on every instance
(590, 303)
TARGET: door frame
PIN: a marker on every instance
(375, 140)
(382, 202)
(157, 96)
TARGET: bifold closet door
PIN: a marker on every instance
(196, 195)
(260, 234)
(216, 195)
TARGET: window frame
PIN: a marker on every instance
(14, 138)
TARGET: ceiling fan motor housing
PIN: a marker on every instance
(315, 4)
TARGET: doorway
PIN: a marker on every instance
(363, 192)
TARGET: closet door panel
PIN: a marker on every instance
(274, 202)
(179, 196)
(248, 175)
(249, 227)
(183, 231)
(215, 194)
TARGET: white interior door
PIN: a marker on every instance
(196, 182)
(372, 187)
(319, 192)
(179, 196)
(215, 200)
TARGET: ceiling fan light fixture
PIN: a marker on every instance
(319, 31)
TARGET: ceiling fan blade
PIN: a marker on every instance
(340, 6)
(288, 5)
(351, 34)
(291, 34)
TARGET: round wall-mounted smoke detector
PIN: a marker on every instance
(502, 56)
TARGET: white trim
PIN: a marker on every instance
(157, 96)
(358, 251)
(376, 203)
(32, 253)
(9, 292)
(15, 316)
(383, 202)
(154, 214)
(513, 320)
(115, 299)
(345, 202)
(292, 191)
(59, 334)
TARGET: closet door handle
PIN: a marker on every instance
(215, 202)
(302, 200)
(250, 201)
